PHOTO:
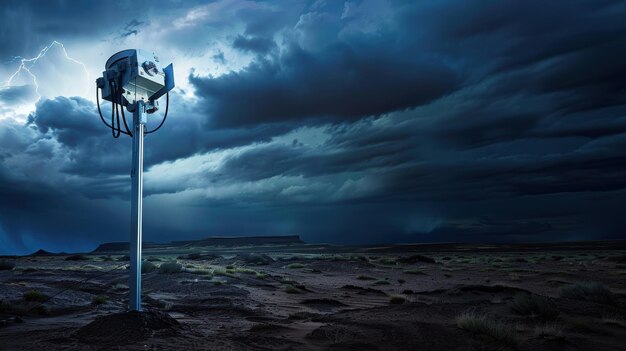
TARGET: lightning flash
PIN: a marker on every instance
(26, 64)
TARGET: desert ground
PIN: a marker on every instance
(321, 297)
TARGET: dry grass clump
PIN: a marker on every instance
(35, 296)
(290, 289)
(99, 299)
(147, 267)
(535, 306)
(482, 323)
(589, 291)
(171, 267)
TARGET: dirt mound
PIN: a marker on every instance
(127, 328)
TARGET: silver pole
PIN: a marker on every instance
(139, 120)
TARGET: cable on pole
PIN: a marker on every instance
(167, 105)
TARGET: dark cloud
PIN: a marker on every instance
(341, 83)
(132, 28)
(256, 45)
(17, 94)
(219, 58)
(355, 122)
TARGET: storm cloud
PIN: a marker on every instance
(347, 122)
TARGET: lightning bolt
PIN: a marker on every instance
(26, 64)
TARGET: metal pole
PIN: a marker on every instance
(139, 120)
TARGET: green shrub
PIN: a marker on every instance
(99, 299)
(35, 296)
(481, 323)
(397, 300)
(365, 277)
(590, 291)
(6, 265)
(290, 289)
(536, 306)
(295, 266)
(171, 267)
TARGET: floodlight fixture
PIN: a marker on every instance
(135, 80)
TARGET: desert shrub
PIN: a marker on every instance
(76, 258)
(35, 296)
(290, 289)
(589, 291)
(401, 281)
(6, 265)
(387, 261)
(536, 306)
(171, 267)
(481, 323)
(364, 277)
(295, 266)
(123, 258)
(154, 259)
(147, 267)
(557, 257)
(255, 259)
(99, 299)
(397, 300)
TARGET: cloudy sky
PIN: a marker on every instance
(352, 122)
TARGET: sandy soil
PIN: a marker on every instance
(321, 298)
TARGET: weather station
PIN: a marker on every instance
(134, 80)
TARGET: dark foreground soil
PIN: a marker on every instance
(383, 298)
